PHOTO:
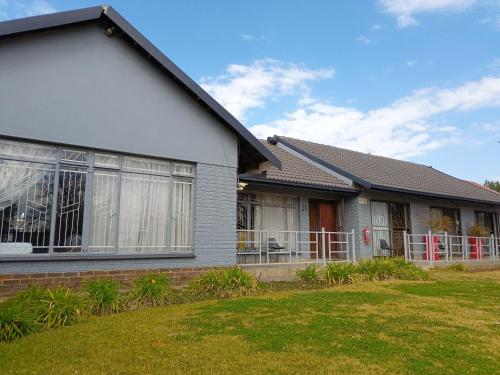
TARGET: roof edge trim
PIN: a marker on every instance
(434, 195)
(266, 181)
(47, 21)
(53, 20)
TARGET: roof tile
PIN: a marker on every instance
(388, 173)
(298, 171)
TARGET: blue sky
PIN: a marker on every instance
(412, 79)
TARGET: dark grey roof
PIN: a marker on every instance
(251, 149)
(298, 172)
(382, 173)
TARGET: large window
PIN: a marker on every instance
(264, 211)
(56, 200)
(452, 213)
(389, 221)
(487, 220)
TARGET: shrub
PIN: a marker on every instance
(103, 296)
(31, 296)
(459, 267)
(308, 274)
(152, 289)
(390, 268)
(376, 268)
(405, 270)
(16, 321)
(340, 273)
(229, 282)
(58, 307)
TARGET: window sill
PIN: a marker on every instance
(80, 257)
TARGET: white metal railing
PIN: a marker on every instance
(275, 246)
(443, 247)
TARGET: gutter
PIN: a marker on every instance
(266, 181)
(433, 195)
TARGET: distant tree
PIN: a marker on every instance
(495, 185)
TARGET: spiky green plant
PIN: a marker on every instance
(340, 273)
(152, 289)
(102, 296)
(16, 320)
(224, 283)
(59, 307)
(309, 274)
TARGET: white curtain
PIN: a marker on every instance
(143, 213)
(380, 225)
(104, 209)
(181, 215)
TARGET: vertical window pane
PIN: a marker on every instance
(143, 213)
(70, 206)
(25, 207)
(181, 215)
(104, 209)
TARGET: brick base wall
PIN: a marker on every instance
(12, 283)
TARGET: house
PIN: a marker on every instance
(383, 201)
(113, 161)
(110, 156)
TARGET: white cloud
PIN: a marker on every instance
(493, 128)
(406, 10)
(245, 36)
(246, 87)
(402, 129)
(15, 9)
(254, 37)
(491, 20)
(376, 27)
(363, 39)
(411, 63)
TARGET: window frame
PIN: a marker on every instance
(495, 220)
(458, 217)
(390, 228)
(252, 200)
(90, 168)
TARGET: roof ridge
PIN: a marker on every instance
(477, 184)
(359, 152)
(333, 157)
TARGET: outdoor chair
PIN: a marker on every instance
(274, 248)
(385, 249)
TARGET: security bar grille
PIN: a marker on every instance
(57, 200)
(25, 206)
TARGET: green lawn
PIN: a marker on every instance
(450, 325)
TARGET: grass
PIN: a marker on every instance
(448, 325)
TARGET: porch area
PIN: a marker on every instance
(435, 248)
(288, 247)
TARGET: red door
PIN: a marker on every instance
(322, 214)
